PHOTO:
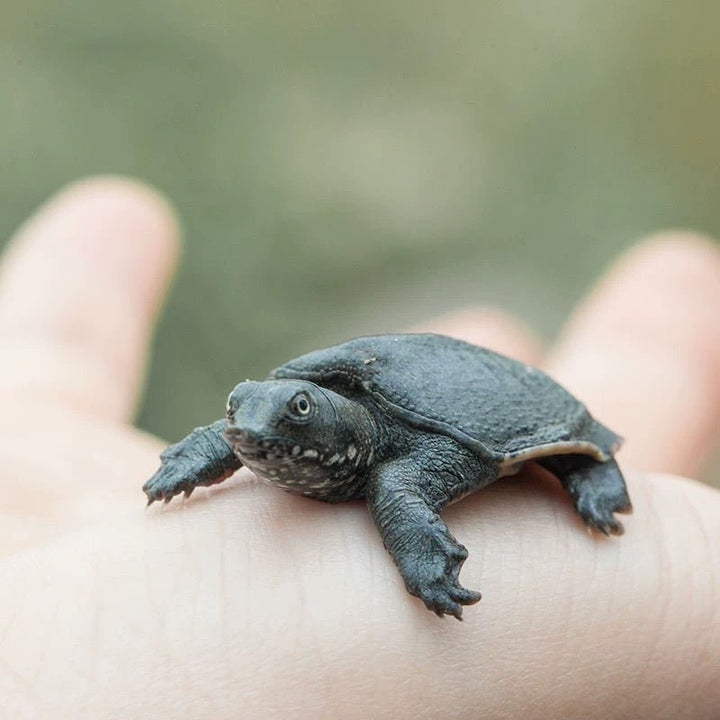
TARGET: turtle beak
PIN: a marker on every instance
(243, 437)
(237, 436)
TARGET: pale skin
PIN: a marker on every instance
(247, 602)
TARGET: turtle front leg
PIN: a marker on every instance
(202, 458)
(428, 556)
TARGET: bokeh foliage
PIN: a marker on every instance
(351, 167)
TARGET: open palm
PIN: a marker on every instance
(247, 602)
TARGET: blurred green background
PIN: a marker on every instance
(344, 168)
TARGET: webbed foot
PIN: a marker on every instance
(598, 513)
(597, 488)
(201, 458)
(431, 572)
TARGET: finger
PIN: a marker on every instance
(80, 287)
(240, 589)
(643, 352)
(490, 328)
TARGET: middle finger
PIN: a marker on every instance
(643, 352)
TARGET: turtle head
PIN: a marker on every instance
(297, 435)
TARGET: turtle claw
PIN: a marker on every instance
(447, 597)
(607, 524)
(598, 491)
(167, 482)
(598, 514)
(435, 579)
(201, 458)
(161, 487)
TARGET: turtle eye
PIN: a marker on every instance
(300, 405)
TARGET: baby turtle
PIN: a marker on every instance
(409, 423)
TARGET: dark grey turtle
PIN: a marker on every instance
(409, 423)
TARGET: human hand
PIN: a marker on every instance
(247, 602)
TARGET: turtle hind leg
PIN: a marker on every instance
(597, 488)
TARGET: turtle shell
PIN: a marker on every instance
(486, 401)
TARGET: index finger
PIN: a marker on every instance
(80, 286)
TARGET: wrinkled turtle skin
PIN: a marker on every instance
(408, 423)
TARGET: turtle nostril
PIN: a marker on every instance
(231, 409)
